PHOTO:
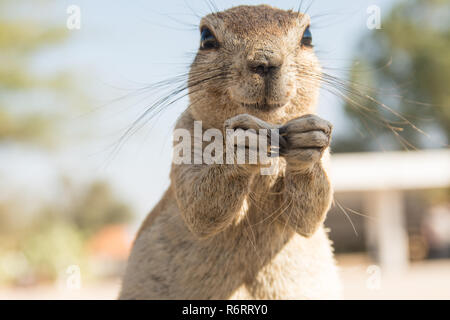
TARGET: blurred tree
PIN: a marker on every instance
(55, 236)
(50, 249)
(98, 207)
(21, 41)
(89, 207)
(415, 35)
(35, 103)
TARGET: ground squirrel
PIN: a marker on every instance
(226, 231)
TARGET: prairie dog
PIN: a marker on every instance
(224, 231)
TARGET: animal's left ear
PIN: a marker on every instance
(304, 20)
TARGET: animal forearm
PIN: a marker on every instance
(307, 196)
(205, 197)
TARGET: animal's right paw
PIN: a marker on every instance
(250, 126)
(246, 122)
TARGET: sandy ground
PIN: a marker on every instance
(424, 280)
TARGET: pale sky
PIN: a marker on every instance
(123, 45)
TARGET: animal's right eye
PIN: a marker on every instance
(208, 40)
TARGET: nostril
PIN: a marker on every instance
(261, 69)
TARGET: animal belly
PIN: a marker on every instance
(304, 269)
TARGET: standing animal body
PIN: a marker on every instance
(224, 231)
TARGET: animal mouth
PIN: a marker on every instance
(262, 106)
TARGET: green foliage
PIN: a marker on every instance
(413, 88)
(42, 254)
(30, 127)
(41, 248)
(40, 243)
(98, 207)
(25, 119)
(52, 248)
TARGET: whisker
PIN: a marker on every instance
(348, 217)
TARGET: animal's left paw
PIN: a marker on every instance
(307, 138)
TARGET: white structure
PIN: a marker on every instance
(384, 176)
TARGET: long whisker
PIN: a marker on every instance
(177, 88)
(350, 91)
(346, 214)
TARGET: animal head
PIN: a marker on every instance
(257, 60)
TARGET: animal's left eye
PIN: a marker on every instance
(208, 40)
(307, 38)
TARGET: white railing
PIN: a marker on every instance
(382, 177)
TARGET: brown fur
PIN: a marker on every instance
(226, 231)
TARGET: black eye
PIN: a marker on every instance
(208, 40)
(307, 38)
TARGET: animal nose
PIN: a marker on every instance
(261, 68)
(264, 63)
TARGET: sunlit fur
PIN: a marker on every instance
(225, 231)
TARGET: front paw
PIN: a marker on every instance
(251, 127)
(307, 138)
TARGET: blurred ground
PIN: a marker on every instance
(428, 279)
(424, 280)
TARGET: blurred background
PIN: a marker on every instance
(75, 75)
